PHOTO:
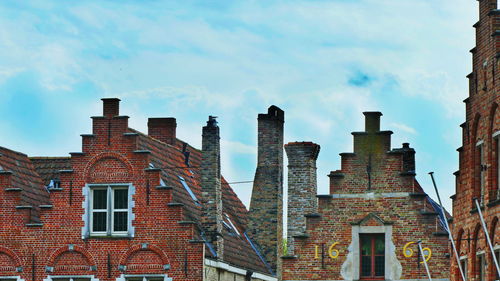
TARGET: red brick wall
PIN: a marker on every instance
(395, 202)
(482, 121)
(108, 156)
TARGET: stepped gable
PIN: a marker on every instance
(171, 160)
(49, 167)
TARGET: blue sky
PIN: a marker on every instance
(323, 62)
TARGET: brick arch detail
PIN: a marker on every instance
(494, 226)
(140, 247)
(476, 237)
(76, 248)
(12, 255)
(104, 155)
(459, 242)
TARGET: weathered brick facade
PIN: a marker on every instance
(374, 198)
(265, 215)
(128, 207)
(478, 175)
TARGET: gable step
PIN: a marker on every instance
(34, 224)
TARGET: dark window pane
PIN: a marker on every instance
(121, 198)
(379, 245)
(134, 279)
(99, 221)
(100, 199)
(366, 245)
(81, 279)
(366, 266)
(120, 221)
(379, 266)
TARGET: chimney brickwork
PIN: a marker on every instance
(302, 187)
(211, 185)
(163, 129)
(266, 206)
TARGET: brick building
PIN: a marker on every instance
(130, 206)
(479, 161)
(367, 227)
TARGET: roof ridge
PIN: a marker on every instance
(48, 157)
(14, 151)
(161, 142)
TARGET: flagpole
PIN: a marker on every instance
(487, 235)
(450, 235)
(423, 257)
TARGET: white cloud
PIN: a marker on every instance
(404, 128)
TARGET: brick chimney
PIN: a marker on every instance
(163, 129)
(111, 107)
(266, 206)
(211, 191)
(408, 158)
(302, 187)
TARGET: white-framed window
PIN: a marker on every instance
(143, 277)
(481, 266)
(70, 278)
(463, 263)
(108, 210)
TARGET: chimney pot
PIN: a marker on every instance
(372, 121)
(111, 107)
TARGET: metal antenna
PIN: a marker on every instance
(450, 236)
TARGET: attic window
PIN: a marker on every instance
(54, 183)
(151, 165)
(188, 189)
(162, 182)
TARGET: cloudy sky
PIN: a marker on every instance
(323, 62)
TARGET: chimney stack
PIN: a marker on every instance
(211, 190)
(302, 187)
(372, 121)
(163, 129)
(408, 158)
(266, 206)
(111, 107)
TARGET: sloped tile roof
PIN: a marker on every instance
(49, 167)
(25, 177)
(171, 159)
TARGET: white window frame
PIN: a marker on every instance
(70, 277)
(481, 262)
(88, 192)
(13, 278)
(144, 277)
(465, 266)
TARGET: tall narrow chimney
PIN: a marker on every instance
(266, 206)
(211, 190)
(163, 129)
(111, 107)
(302, 186)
